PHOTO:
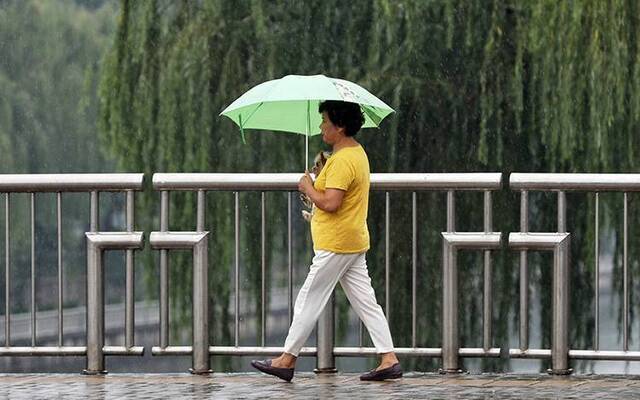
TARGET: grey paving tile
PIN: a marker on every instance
(309, 385)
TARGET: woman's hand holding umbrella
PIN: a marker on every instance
(306, 183)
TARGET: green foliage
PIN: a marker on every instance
(48, 79)
(478, 86)
(50, 55)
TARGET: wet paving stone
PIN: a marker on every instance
(312, 386)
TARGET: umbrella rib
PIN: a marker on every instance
(372, 115)
(253, 112)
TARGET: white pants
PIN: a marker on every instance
(326, 270)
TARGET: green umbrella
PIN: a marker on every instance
(290, 104)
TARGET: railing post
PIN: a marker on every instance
(95, 311)
(560, 345)
(97, 243)
(561, 295)
(450, 342)
(200, 309)
(559, 243)
(326, 361)
(198, 242)
(452, 242)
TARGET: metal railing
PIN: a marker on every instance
(325, 351)
(558, 242)
(97, 242)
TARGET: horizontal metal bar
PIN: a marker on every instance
(611, 355)
(289, 181)
(123, 350)
(68, 351)
(540, 241)
(371, 351)
(440, 181)
(415, 352)
(171, 351)
(312, 351)
(584, 182)
(229, 350)
(69, 182)
(43, 351)
(604, 355)
(530, 353)
(479, 352)
(119, 240)
(471, 240)
(175, 240)
(265, 351)
(193, 181)
(208, 181)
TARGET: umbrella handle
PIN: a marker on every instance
(306, 138)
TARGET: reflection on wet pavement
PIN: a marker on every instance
(309, 385)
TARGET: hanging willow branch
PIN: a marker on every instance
(478, 86)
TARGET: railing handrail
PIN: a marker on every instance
(576, 181)
(289, 181)
(70, 182)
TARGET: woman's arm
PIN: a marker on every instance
(330, 200)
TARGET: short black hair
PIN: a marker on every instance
(344, 115)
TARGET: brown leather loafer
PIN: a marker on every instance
(285, 374)
(393, 372)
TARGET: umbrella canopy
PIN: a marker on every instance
(290, 104)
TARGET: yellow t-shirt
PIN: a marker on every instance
(344, 231)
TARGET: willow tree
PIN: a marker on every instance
(477, 85)
(49, 59)
(48, 105)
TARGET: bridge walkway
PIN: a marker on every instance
(309, 385)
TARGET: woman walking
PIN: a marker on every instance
(340, 242)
